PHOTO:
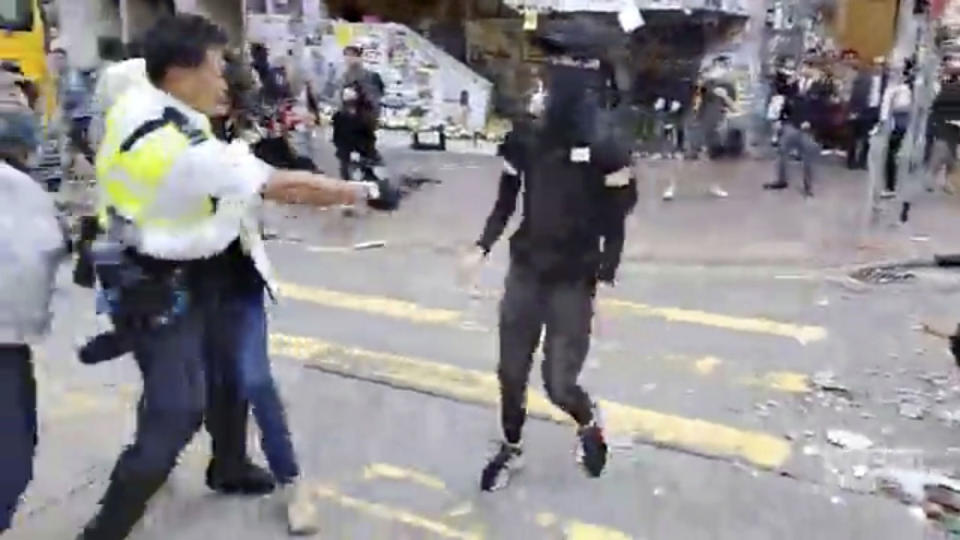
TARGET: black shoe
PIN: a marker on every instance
(122, 506)
(248, 479)
(593, 450)
(807, 192)
(775, 185)
(496, 475)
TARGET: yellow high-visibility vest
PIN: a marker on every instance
(132, 167)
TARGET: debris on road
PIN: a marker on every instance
(848, 440)
(913, 410)
(882, 276)
(826, 381)
(373, 244)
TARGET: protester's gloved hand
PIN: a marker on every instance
(606, 276)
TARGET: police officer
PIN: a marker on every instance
(31, 247)
(577, 190)
(179, 198)
(230, 469)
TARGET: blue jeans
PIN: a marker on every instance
(246, 316)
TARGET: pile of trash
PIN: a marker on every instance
(933, 495)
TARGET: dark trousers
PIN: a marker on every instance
(565, 309)
(187, 374)
(896, 141)
(18, 427)
(802, 141)
(243, 323)
(858, 145)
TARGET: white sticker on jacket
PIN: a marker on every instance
(580, 155)
(618, 179)
(509, 168)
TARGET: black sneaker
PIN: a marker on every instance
(592, 452)
(496, 475)
(249, 479)
(775, 186)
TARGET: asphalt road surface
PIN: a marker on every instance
(711, 379)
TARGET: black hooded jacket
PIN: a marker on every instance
(573, 212)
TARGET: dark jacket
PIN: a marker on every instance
(573, 222)
(811, 106)
(351, 133)
(860, 95)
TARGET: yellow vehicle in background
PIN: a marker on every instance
(23, 41)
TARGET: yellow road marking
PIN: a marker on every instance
(390, 513)
(392, 472)
(576, 530)
(482, 388)
(374, 305)
(400, 309)
(546, 519)
(783, 381)
(803, 334)
(707, 365)
(461, 510)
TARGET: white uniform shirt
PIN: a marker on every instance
(229, 173)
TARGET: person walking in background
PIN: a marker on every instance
(716, 98)
(895, 111)
(369, 90)
(866, 98)
(806, 105)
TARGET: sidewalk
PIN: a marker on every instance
(755, 226)
(750, 227)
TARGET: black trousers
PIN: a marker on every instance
(188, 377)
(18, 427)
(858, 147)
(896, 141)
(530, 306)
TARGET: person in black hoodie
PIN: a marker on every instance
(807, 106)
(573, 164)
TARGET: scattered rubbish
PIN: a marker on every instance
(823, 302)
(944, 493)
(918, 513)
(882, 276)
(370, 245)
(835, 500)
(810, 450)
(658, 492)
(867, 416)
(848, 440)
(913, 410)
(910, 486)
(649, 387)
(920, 238)
(951, 418)
(826, 381)
(809, 434)
(859, 471)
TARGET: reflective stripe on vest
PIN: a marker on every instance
(132, 170)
